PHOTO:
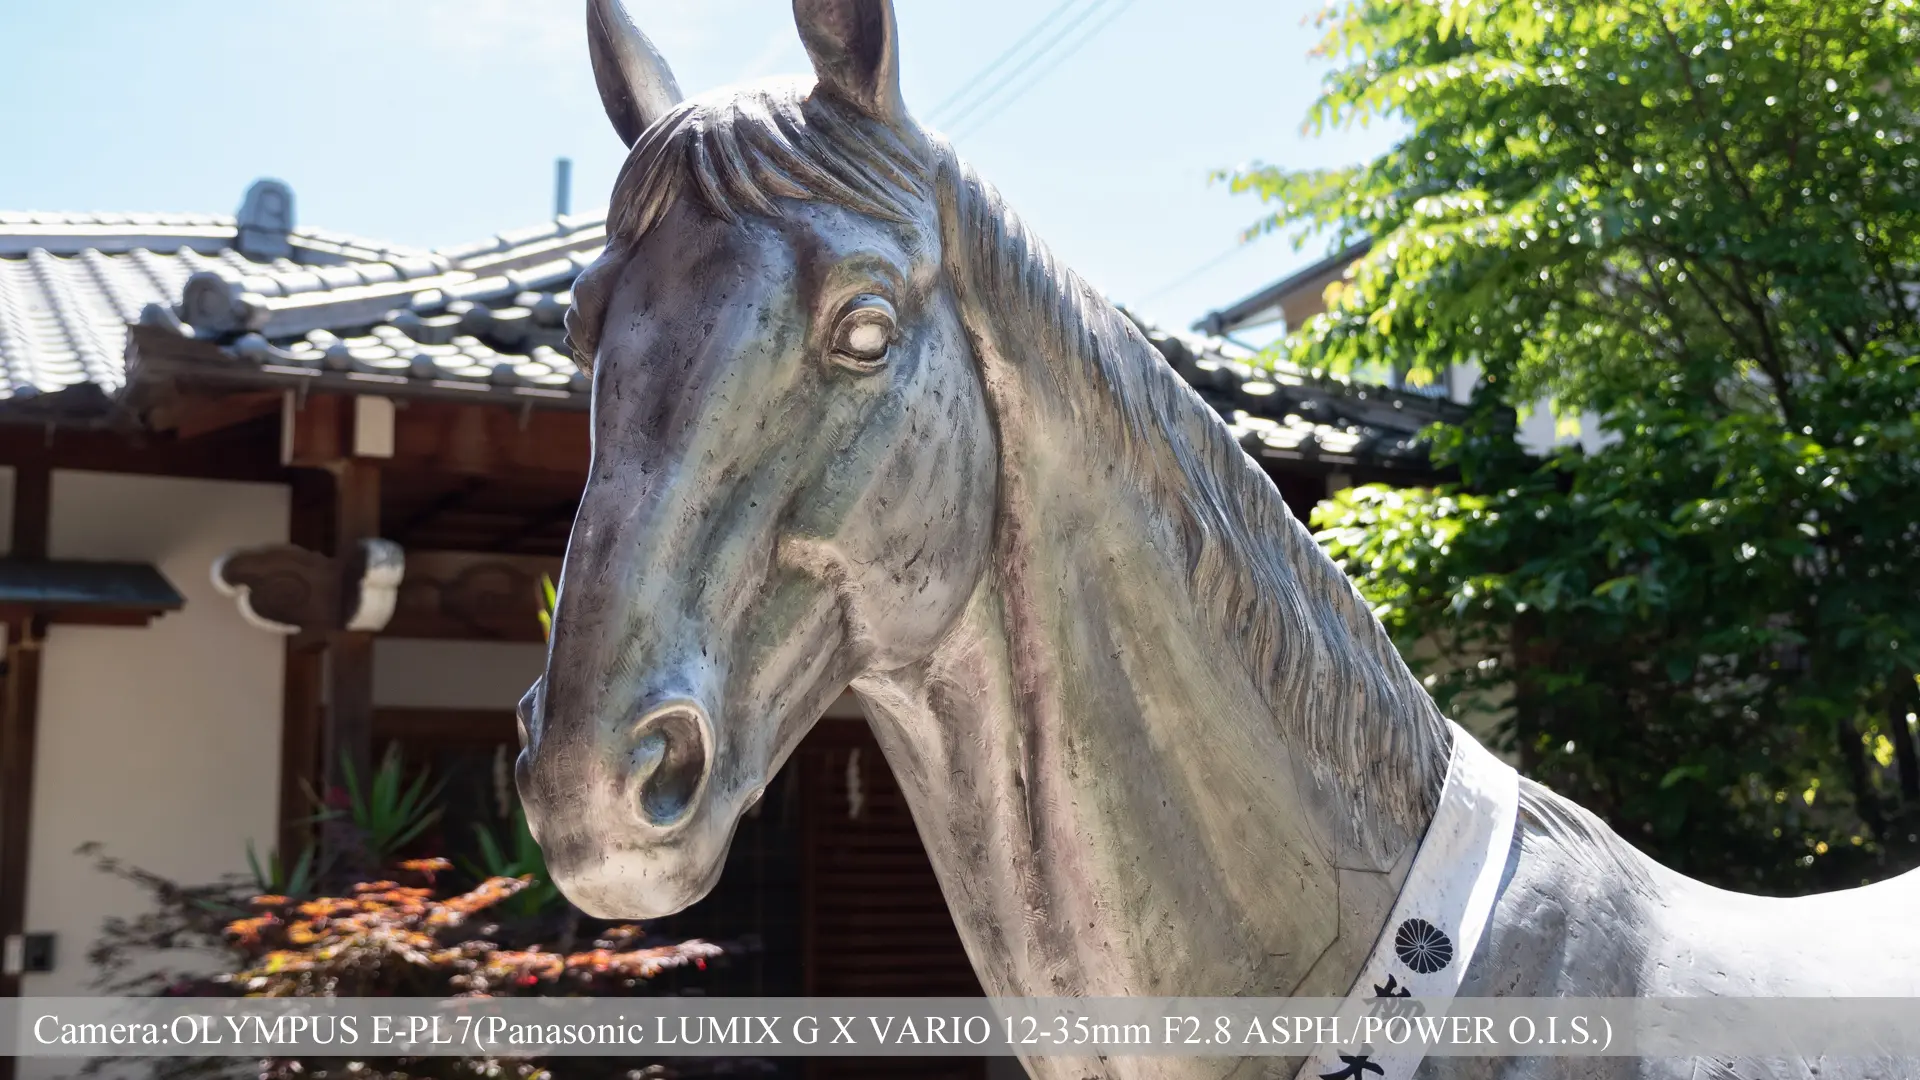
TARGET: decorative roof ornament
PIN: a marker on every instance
(265, 221)
(214, 305)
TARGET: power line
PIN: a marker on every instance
(1000, 61)
(994, 90)
(1052, 62)
(1191, 275)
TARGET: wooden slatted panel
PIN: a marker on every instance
(877, 924)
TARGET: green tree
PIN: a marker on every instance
(1696, 219)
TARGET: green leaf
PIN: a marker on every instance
(1682, 772)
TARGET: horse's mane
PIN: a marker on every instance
(1325, 665)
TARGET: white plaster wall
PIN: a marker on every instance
(421, 674)
(1539, 429)
(162, 743)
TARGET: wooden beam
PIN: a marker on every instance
(19, 735)
(349, 736)
(302, 726)
(20, 717)
(356, 502)
(348, 739)
(501, 444)
(449, 500)
(302, 716)
(482, 440)
(451, 438)
(468, 595)
(445, 595)
(244, 451)
(32, 505)
(314, 430)
(191, 416)
(483, 727)
(537, 524)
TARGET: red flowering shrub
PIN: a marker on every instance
(390, 939)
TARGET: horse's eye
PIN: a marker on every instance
(865, 333)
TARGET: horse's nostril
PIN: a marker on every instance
(668, 762)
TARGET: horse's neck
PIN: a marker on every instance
(1102, 783)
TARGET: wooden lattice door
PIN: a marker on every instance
(876, 924)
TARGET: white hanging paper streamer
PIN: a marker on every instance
(1439, 917)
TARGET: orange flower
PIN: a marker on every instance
(485, 895)
(248, 931)
(325, 906)
(382, 931)
(429, 867)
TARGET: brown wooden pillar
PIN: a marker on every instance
(350, 653)
(302, 722)
(303, 719)
(336, 444)
(20, 720)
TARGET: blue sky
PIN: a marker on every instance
(435, 122)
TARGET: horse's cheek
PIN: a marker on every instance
(953, 524)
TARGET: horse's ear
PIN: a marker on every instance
(636, 86)
(855, 47)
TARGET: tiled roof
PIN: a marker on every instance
(1284, 414)
(484, 320)
(209, 234)
(489, 313)
(483, 315)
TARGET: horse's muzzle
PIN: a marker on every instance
(637, 842)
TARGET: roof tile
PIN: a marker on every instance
(487, 318)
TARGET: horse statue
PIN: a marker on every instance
(854, 426)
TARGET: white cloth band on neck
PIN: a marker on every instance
(1437, 922)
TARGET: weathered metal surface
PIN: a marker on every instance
(853, 425)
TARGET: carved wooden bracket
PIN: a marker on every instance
(290, 590)
(472, 595)
(458, 595)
